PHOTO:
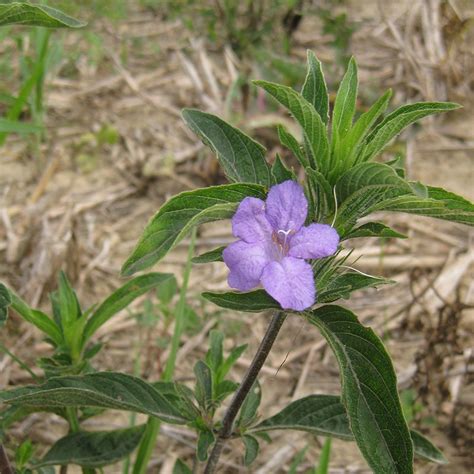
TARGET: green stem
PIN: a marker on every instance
(153, 424)
(20, 363)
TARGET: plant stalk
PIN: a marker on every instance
(243, 390)
(153, 424)
(5, 466)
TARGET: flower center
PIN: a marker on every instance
(280, 238)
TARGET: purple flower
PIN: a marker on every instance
(274, 244)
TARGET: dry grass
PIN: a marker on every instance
(84, 217)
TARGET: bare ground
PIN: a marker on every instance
(81, 207)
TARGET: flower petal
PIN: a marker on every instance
(246, 263)
(290, 282)
(314, 241)
(250, 222)
(286, 206)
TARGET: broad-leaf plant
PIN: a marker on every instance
(286, 260)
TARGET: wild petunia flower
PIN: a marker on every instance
(274, 246)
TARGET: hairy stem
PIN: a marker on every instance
(5, 466)
(243, 390)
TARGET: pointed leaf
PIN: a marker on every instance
(342, 285)
(5, 301)
(242, 158)
(68, 304)
(345, 103)
(440, 204)
(280, 172)
(121, 298)
(37, 318)
(323, 463)
(93, 449)
(310, 121)
(395, 122)
(204, 386)
(181, 468)
(374, 229)
(13, 126)
(314, 88)
(369, 390)
(111, 390)
(252, 302)
(24, 13)
(425, 449)
(205, 441)
(250, 406)
(251, 449)
(211, 256)
(290, 142)
(180, 214)
(369, 174)
(353, 141)
(325, 415)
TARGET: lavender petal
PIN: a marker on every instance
(314, 241)
(250, 222)
(290, 282)
(246, 263)
(286, 206)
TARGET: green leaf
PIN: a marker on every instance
(290, 142)
(37, 318)
(211, 256)
(251, 449)
(369, 390)
(180, 214)
(310, 121)
(395, 122)
(345, 103)
(23, 454)
(280, 172)
(93, 449)
(325, 415)
(205, 440)
(342, 285)
(353, 141)
(111, 390)
(68, 303)
(31, 14)
(323, 194)
(248, 412)
(322, 415)
(369, 174)
(440, 204)
(13, 126)
(121, 298)
(425, 449)
(5, 302)
(251, 302)
(374, 229)
(231, 359)
(242, 158)
(181, 468)
(323, 464)
(214, 356)
(204, 386)
(314, 88)
(366, 188)
(167, 290)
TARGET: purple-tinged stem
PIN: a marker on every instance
(243, 390)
